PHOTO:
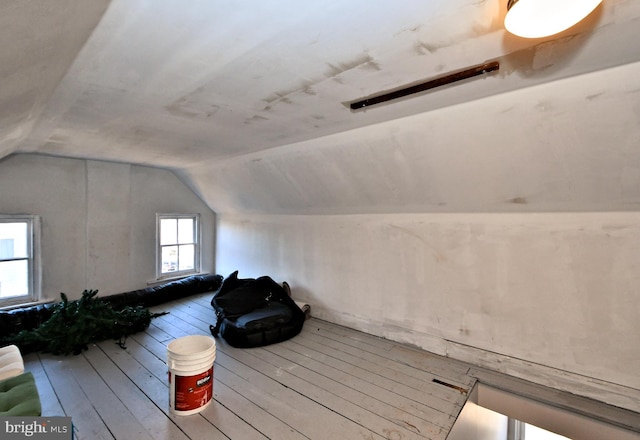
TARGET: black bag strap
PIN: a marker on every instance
(216, 329)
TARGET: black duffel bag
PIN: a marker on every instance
(253, 312)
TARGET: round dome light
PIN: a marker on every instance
(541, 18)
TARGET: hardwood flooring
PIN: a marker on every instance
(329, 382)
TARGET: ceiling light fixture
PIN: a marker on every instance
(541, 18)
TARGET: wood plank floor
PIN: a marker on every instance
(329, 382)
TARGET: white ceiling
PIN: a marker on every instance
(246, 101)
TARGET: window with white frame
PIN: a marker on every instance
(19, 259)
(178, 249)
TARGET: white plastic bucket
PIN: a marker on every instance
(190, 360)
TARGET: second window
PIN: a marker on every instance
(178, 244)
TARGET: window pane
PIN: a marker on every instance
(14, 278)
(178, 244)
(168, 231)
(186, 257)
(185, 230)
(169, 259)
(13, 240)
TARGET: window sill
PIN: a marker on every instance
(175, 278)
(26, 304)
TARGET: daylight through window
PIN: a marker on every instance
(178, 244)
(18, 259)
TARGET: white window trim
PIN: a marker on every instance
(35, 264)
(197, 257)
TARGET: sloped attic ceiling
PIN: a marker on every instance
(247, 101)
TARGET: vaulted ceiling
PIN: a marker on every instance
(248, 101)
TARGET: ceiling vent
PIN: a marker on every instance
(449, 78)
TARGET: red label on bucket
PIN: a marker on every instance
(192, 392)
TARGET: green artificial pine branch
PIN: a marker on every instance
(74, 325)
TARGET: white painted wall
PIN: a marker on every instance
(98, 219)
(557, 290)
